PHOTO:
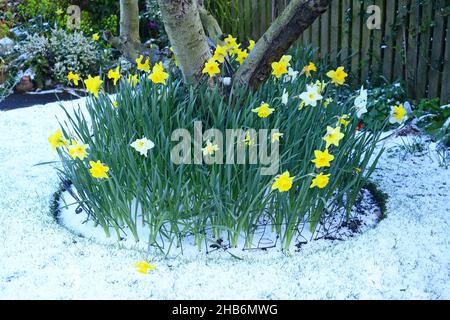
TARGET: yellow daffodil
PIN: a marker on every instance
(174, 57)
(73, 77)
(78, 150)
(114, 75)
(144, 267)
(158, 74)
(133, 80)
(276, 137)
(210, 149)
(241, 56)
(286, 59)
(344, 120)
(323, 159)
(93, 85)
(220, 53)
(264, 110)
(321, 85)
(251, 45)
(333, 136)
(321, 181)
(211, 68)
(57, 140)
(98, 170)
(248, 139)
(337, 76)
(309, 68)
(143, 66)
(231, 43)
(398, 114)
(95, 37)
(279, 68)
(283, 182)
(115, 104)
(327, 102)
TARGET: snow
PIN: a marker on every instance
(407, 256)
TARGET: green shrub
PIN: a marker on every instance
(434, 119)
(174, 201)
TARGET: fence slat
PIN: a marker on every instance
(400, 40)
(445, 90)
(365, 48)
(377, 58)
(324, 34)
(334, 32)
(424, 50)
(356, 40)
(413, 35)
(437, 52)
(346, 30)
(388, 52)
(315, 33)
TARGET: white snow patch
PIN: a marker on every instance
(407, 256)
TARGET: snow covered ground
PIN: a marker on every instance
(406, 256)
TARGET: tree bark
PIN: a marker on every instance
(130, 42)
(283, 32)
(187, 37)
(210, 24)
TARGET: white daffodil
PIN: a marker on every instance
(361, 103)
(210, 149)
(311, 96)
(291, 75)
(285, 97)
(398, 114)
(143, 145)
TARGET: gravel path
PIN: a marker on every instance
(407, 256)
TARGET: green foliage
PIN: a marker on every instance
(227, 201)
(54, 56)
(31, 9)
(434, 119)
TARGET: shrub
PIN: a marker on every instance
(54, 56)
(434, 119)
(222, 201)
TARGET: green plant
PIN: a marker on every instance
(219, 201)
(434, 119)
(46, 9)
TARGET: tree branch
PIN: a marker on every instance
(283, 32)
(210, 23)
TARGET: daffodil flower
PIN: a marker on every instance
(143, 65)
(93, 85)
(264, 110)
(322, 158)
(210, 149)
(144, 267)
(211, 67)
(276, 137)
(98, 170)
(57, 140)
(158, 74)
(333, 136)
(283, 182)
(73, 77)
(78, 150)
(337, 76)
(114, 75)
(398, 114)
(143, 145)
(320, 181)
(309, 68)
(311, 96)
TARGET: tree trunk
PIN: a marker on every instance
(129, 28)
(283, 32)
(210, 24)
(187, 36)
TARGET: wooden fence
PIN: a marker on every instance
(413, 43)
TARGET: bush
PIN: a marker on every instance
(227, 201)
(54, 56)
(434, 119)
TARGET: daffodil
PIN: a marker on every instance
(398, 114)
(283, 182)
(114, 75)
(73, 77)
(78, 150)
(333, 136)
(344, 120)
(220, 53)
(264, 110)
(241, 56)
(321, 181)
(98, 170)
(95, 37)
(286, 59)
(210, 149)
(143, 145)
(211, 67)
(133, 80)
(311, 96)
(279, 68)
(323, 158)
(321, 85)
(361, 103)
(174, 57)
(115, 104)
(144, 267)
(276, 137)
(251, 45)
(291, 75)
(327, 102)
(309, 68)
(248, 139)
(93, 85)
(231, 43)
(143, 65)
(57, 140)
(285, 97)
(158, 74)
(337, 76)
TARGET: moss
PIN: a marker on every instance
(379, 196)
